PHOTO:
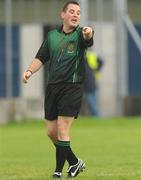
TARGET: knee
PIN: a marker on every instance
(63, 134)
(52, 135)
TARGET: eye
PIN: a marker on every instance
(78, 13)
(72, 11)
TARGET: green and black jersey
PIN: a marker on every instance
(65, 53)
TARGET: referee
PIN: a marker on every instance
(64, 48)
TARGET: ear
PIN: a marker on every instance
(62, 15)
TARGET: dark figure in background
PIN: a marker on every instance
(93, 65)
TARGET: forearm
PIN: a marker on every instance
(35, 65)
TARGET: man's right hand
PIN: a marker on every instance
(27, 74)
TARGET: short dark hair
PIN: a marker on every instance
(69, 2)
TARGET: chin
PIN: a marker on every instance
(73, 25)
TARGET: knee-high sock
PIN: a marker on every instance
(71, 157)
(62, 149)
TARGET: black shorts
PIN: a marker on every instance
(63, 99)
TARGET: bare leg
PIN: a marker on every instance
(59, 132)
(51, 127)
(63, 127)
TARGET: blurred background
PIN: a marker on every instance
(23, 26)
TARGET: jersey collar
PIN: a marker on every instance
(61, 27)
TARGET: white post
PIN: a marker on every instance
(84, 12)
(99, 7)
(99, 17)
(37, 10)
(8, 23)
(121, 58)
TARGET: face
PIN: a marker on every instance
(71, 17)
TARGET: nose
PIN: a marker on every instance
(75, 16)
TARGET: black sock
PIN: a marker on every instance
(62, 149)
(71, 158)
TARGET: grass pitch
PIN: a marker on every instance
(111, 149)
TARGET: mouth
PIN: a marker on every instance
(74, 20)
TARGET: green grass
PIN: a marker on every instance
(111, 149)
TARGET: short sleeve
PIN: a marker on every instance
(43, 52)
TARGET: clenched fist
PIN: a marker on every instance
(27, 74)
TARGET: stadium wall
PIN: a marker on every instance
(133, 100)
(28, 103)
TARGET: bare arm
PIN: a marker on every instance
(34, 67)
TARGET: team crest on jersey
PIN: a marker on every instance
(71, 47)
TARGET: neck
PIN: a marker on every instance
(68, 29)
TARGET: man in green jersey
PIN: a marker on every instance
(64, 48)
